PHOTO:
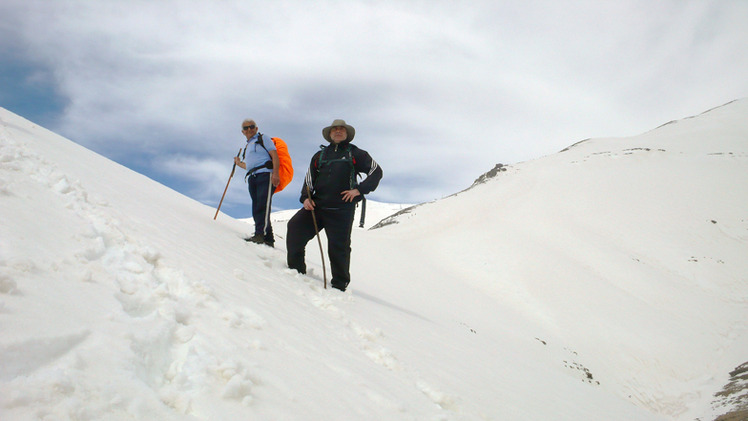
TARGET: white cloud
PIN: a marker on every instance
(434, 88)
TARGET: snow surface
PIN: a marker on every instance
(605, 282)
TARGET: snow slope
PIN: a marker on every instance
(632, 252)
(607, 281)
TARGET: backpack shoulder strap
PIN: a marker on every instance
(321, 157)
(260, 141)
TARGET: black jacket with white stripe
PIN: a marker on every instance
(335, 169)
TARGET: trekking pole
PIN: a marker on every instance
(227, 185)
(314, 220)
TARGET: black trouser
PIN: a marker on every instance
(258, 191)
(337, 224)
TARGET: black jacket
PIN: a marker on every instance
(335, 169)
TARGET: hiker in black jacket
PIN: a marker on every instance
(333, 183)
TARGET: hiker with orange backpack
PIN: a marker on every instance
(260, 159)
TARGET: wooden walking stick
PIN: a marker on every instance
(227, 185)
(319, 241)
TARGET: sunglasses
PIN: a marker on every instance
(250, 127)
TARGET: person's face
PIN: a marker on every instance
(338, 134)
(249, 129)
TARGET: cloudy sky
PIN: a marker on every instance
(438, 91)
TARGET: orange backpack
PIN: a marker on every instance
(286, 166)
(285, 172)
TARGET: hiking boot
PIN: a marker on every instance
(338, 286)
(257, 239)
(269, 243)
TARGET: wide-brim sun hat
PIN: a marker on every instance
(338, 123)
